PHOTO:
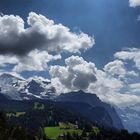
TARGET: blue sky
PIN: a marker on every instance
(113, 23)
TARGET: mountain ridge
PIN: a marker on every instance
(93, 101)
(41, 89)
(22, 89)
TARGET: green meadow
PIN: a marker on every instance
(54, 132)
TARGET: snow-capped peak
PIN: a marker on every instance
(18, 88)
(8, 79)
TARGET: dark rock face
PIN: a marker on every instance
(92, 107)
(34, 87)
(3, 98)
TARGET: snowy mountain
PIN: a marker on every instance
(19, 89)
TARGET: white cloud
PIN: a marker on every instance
(79, 74)
(130, 54)
(76, 75)
(134, 3)
(105, 86)
(42, 34)
(115, 68)
(107, 82)
(7, 59)
(31, 48)
(35, 61)
(108, 89)
(122, 100)
(118, 70)
(135, 88)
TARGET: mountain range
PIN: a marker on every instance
(86, 104)
(20, 89)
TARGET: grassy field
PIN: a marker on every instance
(54, 132)
(16, 114)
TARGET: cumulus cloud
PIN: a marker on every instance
(113, 83)
(76, 75)
(117, 69)
(107, 88)
(79, 74)
(42, 41)
(135, 88)
(41, 33)
(130, 54)
(35, 61)
(7, 59)
(121, 100)
(107, 82)
(134, 3)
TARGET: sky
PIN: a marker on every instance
(91, 45)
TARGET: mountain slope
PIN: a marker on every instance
(107, 114)
(32, 115)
